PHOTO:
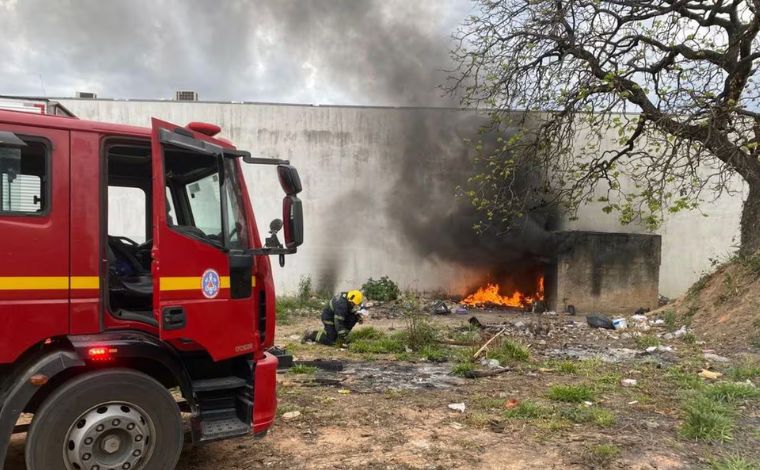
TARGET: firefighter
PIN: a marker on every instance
(339, 316)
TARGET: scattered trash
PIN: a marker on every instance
(456, 425)
(599, 321)
(520, 324)
(639, 317)
(490, 363)
(709, 374)
(545, 370)
(633, 402)
(662, 300)
(511, 403)
(676, 334)
(652, 349)
(715, 358)
(460, 407)
(619, 324)
(291, 415)
(570, 310)
(440, 308)
(344, 391)
(658, 321)
(461, 311)
(628, 382)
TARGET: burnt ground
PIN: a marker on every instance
(390, 410)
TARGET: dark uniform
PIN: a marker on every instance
(339, 318)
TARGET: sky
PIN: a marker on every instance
(354, 52)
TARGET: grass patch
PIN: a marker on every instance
(731, 392)
(735, 463)
(567, 367)
(302, 369)
(746, 370)
(392, 344)
(462, 368)
(508, 350)
(707, 420)
(582, 414)
(434, 353)
(571, 393)
(366, 332)
(602, 455)
(647, 341)
(529, 410)
(670, 320)
(689, 338)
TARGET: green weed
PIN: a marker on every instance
(735, 463)
(383, 289)
(529, 410)
(383, 345)
(302, 369)
(602, 455)
(707, 419)
(571, 393)
(746, 370)
(508, 350)
(366, 332)
(646, 341)
(462, 368)
(731, 392)
(582, 414)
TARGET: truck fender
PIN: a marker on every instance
(138, 347)
(21, 391)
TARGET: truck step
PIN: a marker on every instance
(213, 430)
(219, 383)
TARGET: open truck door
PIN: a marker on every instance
(202, 264)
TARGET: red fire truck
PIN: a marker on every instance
(107, 339)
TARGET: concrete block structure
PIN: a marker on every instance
(614, 273)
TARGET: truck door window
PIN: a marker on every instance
(24, 177)
(236, 222)
(126, 213)
(203, 196)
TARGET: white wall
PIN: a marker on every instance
(357, 165)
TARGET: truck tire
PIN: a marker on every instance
(103, 420)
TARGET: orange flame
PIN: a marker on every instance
(490, 295)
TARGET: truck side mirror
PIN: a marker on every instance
(292, 214)
(289, 180)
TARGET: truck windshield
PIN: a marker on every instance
(200, 181)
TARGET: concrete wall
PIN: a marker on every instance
(606, 272)
(378, 191)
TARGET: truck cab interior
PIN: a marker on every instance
(193, 193)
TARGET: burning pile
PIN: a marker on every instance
(490, 295)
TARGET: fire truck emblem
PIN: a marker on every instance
(210, 283)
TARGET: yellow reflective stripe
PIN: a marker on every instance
(189, 283)
(49, 282)
(34, 283)
(85, 282)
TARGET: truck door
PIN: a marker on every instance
(202, 283)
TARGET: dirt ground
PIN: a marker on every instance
(391, 410)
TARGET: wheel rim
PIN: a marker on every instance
(109, 436)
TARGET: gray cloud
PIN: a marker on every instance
(381, 52)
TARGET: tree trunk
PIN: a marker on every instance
(750, 222)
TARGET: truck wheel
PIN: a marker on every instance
(109, 419)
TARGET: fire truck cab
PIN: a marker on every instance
(106, 339)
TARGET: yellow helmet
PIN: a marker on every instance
(355, 297)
